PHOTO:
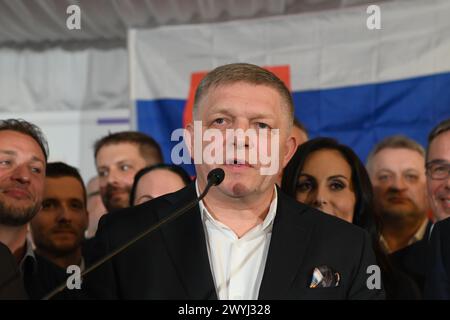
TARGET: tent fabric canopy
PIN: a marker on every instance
(46, 66)
(23, 21)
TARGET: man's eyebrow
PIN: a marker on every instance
(385, 170)
(412, 170)
(36, 159)
(123, 161)
(220, 110)
(9, 152)
(437, 161)
(14, 153)
(224, 110)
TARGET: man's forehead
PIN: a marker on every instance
(117, 153)
(28, 156)
(119, 145)
(19, 144)
(398, 158)
(440, 147)
(241, 89)
(65, 185)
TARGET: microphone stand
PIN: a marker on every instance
(215, 177)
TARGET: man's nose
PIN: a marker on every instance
(63, 214)
(21, 174)
(241, 139)
(399, 184)
(112, 177)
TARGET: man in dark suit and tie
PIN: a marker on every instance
(245, 239)
(438, 182)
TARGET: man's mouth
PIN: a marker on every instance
(17, 193)
(445, 202)
(398, 200)
(237, 164)
(64, 231)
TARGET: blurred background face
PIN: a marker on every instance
(116, 166)
(325, 182)
(398, 178)
(58, 228)
(156, 183)
(244, 106)
(439, 189)
(22, 174)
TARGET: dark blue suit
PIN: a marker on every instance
(437, 284)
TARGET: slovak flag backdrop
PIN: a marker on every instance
(348, 82)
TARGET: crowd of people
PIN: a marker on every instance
(310, 231)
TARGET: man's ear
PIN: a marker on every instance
(290, 148)
(189, 138)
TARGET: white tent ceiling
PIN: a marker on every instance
(45, 66)
(23, 21)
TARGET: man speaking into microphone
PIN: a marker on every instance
(245, 239)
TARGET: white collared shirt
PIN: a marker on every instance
(237, 264)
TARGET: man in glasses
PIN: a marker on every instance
(438, 168)
(438, 182)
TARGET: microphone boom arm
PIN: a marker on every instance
(215, 177)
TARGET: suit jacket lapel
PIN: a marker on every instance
(288, 245)
(185, 239)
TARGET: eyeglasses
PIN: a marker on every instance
(438, 169)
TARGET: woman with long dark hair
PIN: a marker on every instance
(329, 176)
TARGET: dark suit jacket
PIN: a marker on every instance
(11, 284)
(43, 278)
(437, 285)
(412, 259)
(173, 263)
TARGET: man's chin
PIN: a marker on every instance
(63, 248)
(401, 212)
(17, 215)
(117, 205)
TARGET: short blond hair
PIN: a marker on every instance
(247, 73)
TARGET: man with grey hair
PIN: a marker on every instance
(246, 239)
(396, 167)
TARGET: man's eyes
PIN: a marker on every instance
(262, 125)
(125, 167)
(5, 162)
(36, 170)
(102, 173)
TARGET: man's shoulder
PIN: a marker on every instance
(322, 223)
(442, 230)
(146, 213)
(443, 225)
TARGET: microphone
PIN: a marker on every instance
(214, 178)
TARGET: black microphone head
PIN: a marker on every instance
(216, 176)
